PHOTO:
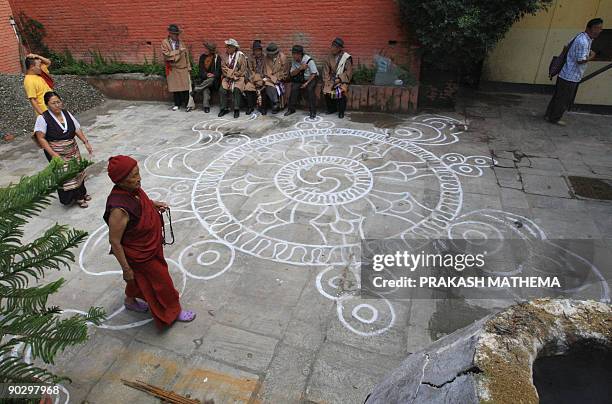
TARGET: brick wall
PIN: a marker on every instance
(9, 50)
(131, 30)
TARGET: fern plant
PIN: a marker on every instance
(27, 324)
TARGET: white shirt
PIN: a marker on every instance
(578, 52)
(41, 124)
(310, 70)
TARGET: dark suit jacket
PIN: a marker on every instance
(215, 69)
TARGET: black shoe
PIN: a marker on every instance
(289, 112)
(264, 112)
(313, 115)
(207, 109)
(275, 109)
(340, 115)
(249, 111)
(236, 113)
(223, 112)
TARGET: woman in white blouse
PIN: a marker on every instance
(55, 131)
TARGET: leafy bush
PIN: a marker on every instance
(28, 326)
(458, 34)
(362, 74)
(32, 34)
(65, 63)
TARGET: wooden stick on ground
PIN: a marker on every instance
(164, 395)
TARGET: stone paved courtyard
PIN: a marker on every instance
(268, 213)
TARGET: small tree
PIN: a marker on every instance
(456, 35)
(26, 323)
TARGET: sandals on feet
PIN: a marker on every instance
(186, 316)
(87, 197)
(138, 307)
(82, 203)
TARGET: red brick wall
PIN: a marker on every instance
(132, 29)
(9, 50)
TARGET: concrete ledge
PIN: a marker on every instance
(491, 361)
(137, 86)
(131, 86)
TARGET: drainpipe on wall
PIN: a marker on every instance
(21, 58)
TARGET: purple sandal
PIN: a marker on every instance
(138, 307)
(186, 316)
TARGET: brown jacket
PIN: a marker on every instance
(177, 66)
(254, 78)
(329, 74)
(233, 75)
(276, 70)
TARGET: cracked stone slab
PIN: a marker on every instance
(545, 185)
(503, 154)
(503, 162)
(508, 177)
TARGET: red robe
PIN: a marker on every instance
(142, 244)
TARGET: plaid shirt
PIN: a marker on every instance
(579, 51)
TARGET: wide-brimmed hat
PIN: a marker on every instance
(232, 42)
(257, 44)
(297, 49)
(174, 29)
(211, 46)
(272, 49)
(338, 42)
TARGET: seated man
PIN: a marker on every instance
(276, 71)
(210, 73)
(338, 72)
(304, 75)
(255, 84)
(233, 70)
(34, 83)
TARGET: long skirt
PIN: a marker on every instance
(153, 284)
(74, 189)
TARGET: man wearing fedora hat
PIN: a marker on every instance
(210, 73)
(233, 68)
(254, 79)
(276, 71)
(338, 71)
(178, 67)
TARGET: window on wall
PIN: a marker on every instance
(602, 45)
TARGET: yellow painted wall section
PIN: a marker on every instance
(524, 54)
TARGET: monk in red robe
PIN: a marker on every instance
(135, 233)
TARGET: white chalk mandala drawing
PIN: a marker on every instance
(308, 195)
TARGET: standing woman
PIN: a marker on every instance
(55, 131)
(178, 68)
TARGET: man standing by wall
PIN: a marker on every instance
(578, 55)
(303, 79)
(338, 71)
(178, 67)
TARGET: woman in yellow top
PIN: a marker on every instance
(34, 83)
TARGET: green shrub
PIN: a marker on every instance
(362, 74)
(456, 35)
(65, 63)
